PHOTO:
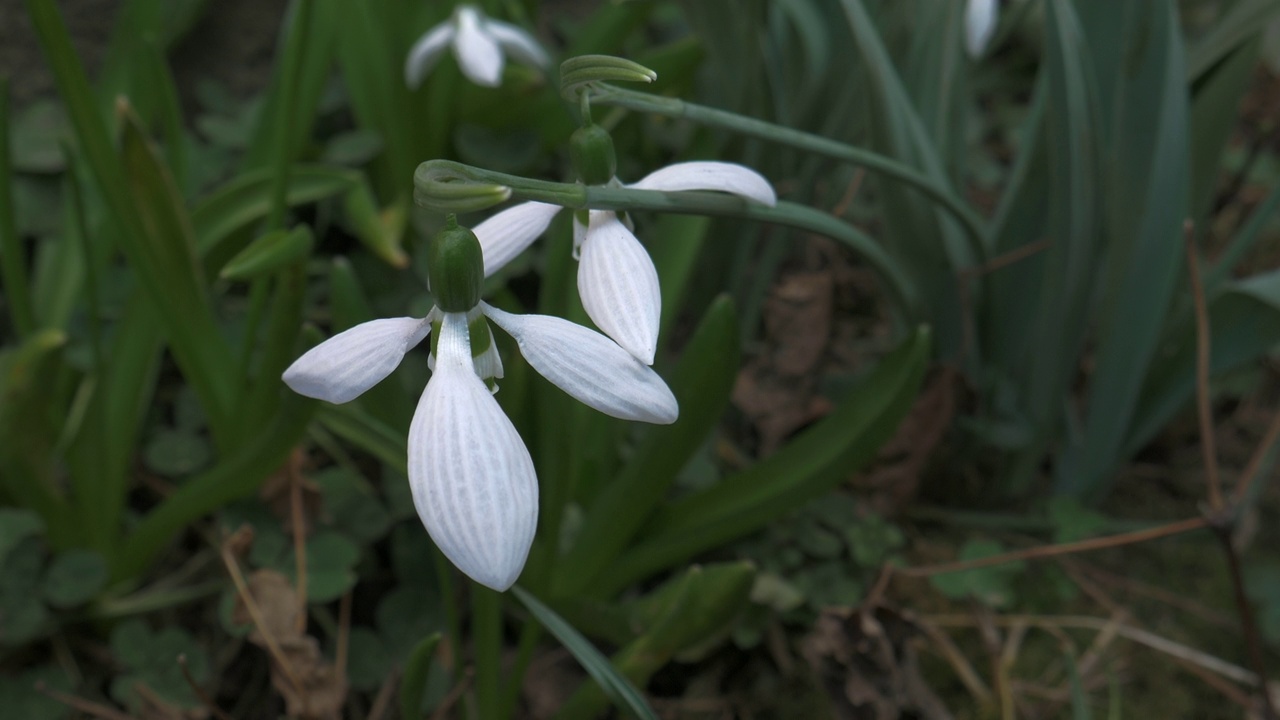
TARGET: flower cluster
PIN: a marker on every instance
(617, 281)
(472, 479)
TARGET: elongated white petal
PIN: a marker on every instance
(590, 367)
(424, 53)
(711, 175)
(472, 479)
(508, 233)
(979, 25)
(341, 368)
(619, 286)
(478, 54)
(518, 43)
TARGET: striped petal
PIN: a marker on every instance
(518, 43)
(341, 368)
(478, 54)
(508, 233)
(472, 479)
(979, 25)
(590, 367)
(619, 285)
(424, 54)
(710, 175)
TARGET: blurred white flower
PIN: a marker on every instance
(979, 25)
(478, 43)
(472, 479)
(617, 281)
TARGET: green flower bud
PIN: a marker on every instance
(455, 268)
(591, 150)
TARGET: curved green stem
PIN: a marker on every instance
(458, 177)
(887, 166)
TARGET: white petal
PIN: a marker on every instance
(424, 53)
(710, 175)
(341, 368)
(507, 234)
(518, 43)
(478, 54)
(979, 25)
(590, 367)
(619, 286)
(472, 478)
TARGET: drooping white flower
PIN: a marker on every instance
(617, 280)
(979, 25)
(472, 480)
(478, 43)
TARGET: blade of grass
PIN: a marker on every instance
(617, 687)
(13, 263)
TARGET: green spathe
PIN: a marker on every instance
(455, 267)
(591, 149)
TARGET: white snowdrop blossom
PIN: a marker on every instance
(617, 280)
(480, 45)
(979, 25)
(472, 479)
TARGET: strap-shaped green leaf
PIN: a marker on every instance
(270, 252)
(618, 688)
(701, 384)
(810, 465)
(413, 683)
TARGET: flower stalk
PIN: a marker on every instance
(458, 177)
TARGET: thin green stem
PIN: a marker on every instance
(530, 634)
(486, 634)
(150, 601)
(771, 132)
(13, 266)
(452, 618)
(434, 175)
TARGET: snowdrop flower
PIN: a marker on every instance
(478, 44)
(979, 25)
(617, 280)
(472, 479)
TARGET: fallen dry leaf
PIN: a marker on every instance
(868, 666)
(312, 688)
(890, 484)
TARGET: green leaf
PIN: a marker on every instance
(991, 585)
(246, 199)
(413, 683)
(331, 561)
(165, 257)
(368, 660)
(618, 688)
(74, 577)
(806, 468)
(1242, 23)
(30, 419)
(22, 616)
(353, 148)
(702, 387)
(177, 453)
(1149, 179)
(269, 253)
(20, 698)
(16, 525)
(351, 507)
(152, 659)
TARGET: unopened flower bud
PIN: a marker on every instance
(455, 268)
(591, 150)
